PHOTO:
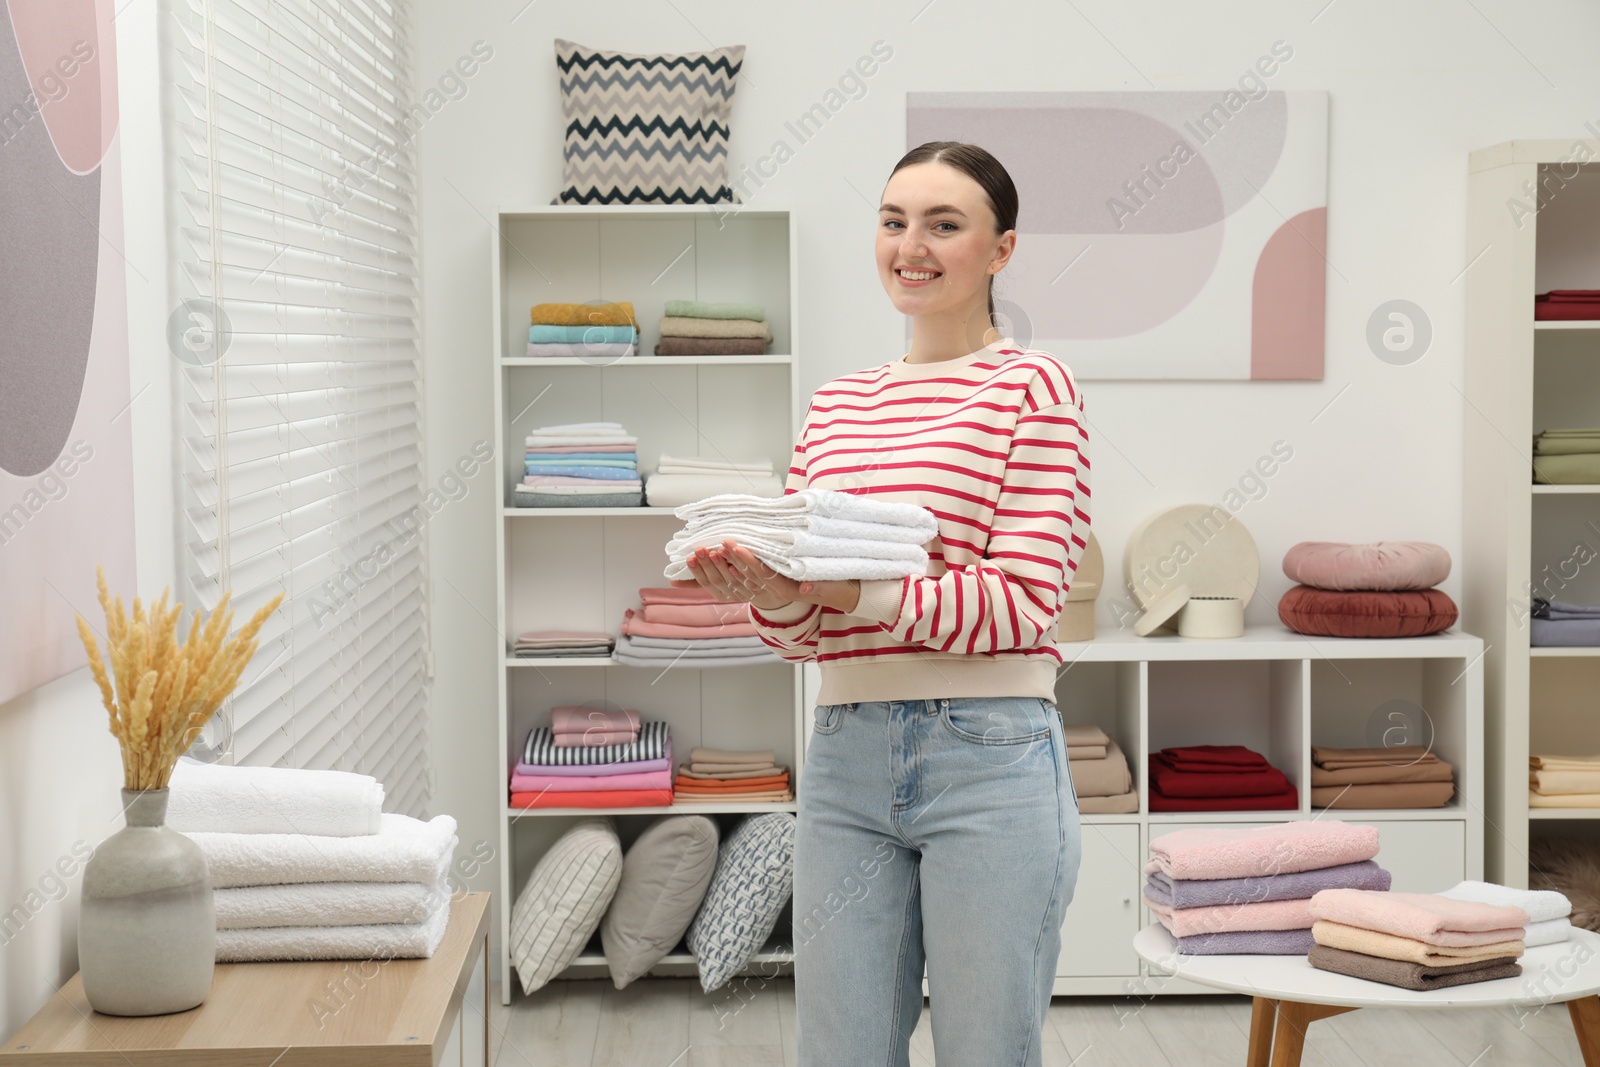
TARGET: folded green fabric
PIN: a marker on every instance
(1565, 446)
(698, 309)
(1567, 470)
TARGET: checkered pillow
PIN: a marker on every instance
(753, 881)
(646, 129)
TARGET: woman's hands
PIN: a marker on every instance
(732, 572)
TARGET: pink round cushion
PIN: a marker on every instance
(1336, 613)
(1381, 565)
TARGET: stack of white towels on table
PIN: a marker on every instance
(306, 865)
(680, 480)
(810, 534)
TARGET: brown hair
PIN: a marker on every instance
(977, 164)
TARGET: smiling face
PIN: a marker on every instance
(937, 246)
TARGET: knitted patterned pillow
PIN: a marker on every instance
(753, 881)
(646, 129)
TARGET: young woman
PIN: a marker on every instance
(937, 820)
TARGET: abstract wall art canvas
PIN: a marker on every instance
(1160, 235)
(66, 473)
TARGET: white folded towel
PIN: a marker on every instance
(1548, 932)
(403, 850)
(328, 904)
(611, 485)
(798, 544)
(818, 568)
(1540, 904)
(223, 798)
(383, 941)
(822, 526)
(827, 502)
(675, 490)
(538, 440)
(574, 427)
(705, 465)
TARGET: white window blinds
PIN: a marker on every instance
(293, 239)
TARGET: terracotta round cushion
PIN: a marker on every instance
(1362, 613)
(1381, 565)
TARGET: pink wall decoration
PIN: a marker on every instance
(66, 473)
(1173, 235)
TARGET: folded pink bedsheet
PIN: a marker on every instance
(634, 624)
(696, 614)
(1425, 917)
(573, 783)
(1246, 852)
(1223, 918)
(580, 718)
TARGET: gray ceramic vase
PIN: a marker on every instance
(147, 932)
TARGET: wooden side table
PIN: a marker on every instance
(1288, 994)
(332, 1013)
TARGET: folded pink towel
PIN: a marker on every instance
(696, 614)
(1424, 917)
(565, 479)
(672, 594)
(574, 783)
(588, 738)
(1247, 852)
(544, 450)
(579, 718)
(636, 626)
(1225, 918)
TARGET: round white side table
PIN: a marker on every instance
(1288, 994)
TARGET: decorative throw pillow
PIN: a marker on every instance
(1335, 613)
(752, 883)
(665, 873)
(1381, 565)
(566, 895)
(646, 129)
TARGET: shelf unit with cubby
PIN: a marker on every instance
(580, 568)
(1531, 212)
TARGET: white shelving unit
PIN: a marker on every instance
(580, 568)
(1278, 692)
(1522, 376)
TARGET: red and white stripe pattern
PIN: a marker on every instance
(996, 447)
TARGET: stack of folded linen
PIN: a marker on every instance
(306, 865)
(1549, 912)
(1567, 304)
(684, 627)
(695, 328)
(1100, 774)
(581, 465)
(556, 773)
(1557, 623)
(1564, 781)
(562, 643)
(591, 330)
(680, 480)
(1405, 776)
(1567, 457)
(1415, 940)
(720, 775)
(1217, 778)
(809, 535)
(1246, 890)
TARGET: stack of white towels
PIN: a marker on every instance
(810, 534)
(680, 480)
(306, 865)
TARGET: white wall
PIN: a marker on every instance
(60, 768)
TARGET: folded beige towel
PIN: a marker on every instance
(692, 798)
(1375, 774)
(1125, 804)
(1564, 763)
(1105, 777)
(689, 770)
(758, 757)
(678, 326)
(1563, 800)
(1085, 741)
(1562, 781)
(1390, 947)
(1336, 759)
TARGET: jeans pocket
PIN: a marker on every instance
(997, 720)
(829, 717)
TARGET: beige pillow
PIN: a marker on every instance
(664, 878)
(567, 893)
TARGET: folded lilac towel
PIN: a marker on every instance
(595, 769)
(1248, 943)
(573, 783)
(1222, 918)
(1421, 916)
(1243, 852)
(1206, 892)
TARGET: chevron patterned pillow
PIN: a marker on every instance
(753, 881)
(646, 129)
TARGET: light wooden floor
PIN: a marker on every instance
(669, 1022)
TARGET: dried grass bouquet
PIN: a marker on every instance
(164, 691)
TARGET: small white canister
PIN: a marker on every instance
(1211, 616)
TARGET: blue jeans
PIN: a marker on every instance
(924, 837)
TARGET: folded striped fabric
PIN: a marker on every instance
(541, 747)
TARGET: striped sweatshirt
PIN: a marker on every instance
(994, 444)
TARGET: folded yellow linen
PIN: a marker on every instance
(679, 326)
(619, 313)
(1390, 947)
(1537, 799)
(1564, 763)
(1546, 781)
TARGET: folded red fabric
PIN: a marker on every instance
(1268, 781)
(594, 798)
(1285, 801)
(1227, 755)
(1566, 309)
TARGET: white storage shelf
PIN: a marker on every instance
(581, 568)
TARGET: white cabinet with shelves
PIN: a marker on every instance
(581, 568)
